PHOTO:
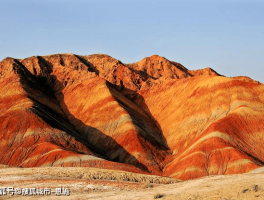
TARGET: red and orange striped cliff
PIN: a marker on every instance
(154, 116)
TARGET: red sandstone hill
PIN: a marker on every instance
(154, 116)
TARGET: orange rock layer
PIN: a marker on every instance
(154, 116)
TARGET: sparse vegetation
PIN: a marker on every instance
(85, 173)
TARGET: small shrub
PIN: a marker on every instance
(157, 196)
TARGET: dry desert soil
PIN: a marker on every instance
(91, 183)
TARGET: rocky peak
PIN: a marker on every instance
(206, 71)
(156, 66)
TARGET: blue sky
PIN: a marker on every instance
(226, 35)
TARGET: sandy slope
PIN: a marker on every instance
(243, 186)
(246, 186)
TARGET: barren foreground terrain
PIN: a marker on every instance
(89, 183)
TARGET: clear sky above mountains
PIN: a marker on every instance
(226, 35)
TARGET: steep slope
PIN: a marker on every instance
(26, 139)
(35, 130)
(213, 124)
(154, 116)
(69, 97)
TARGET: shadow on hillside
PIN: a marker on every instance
(138, 119)
(93, 138)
